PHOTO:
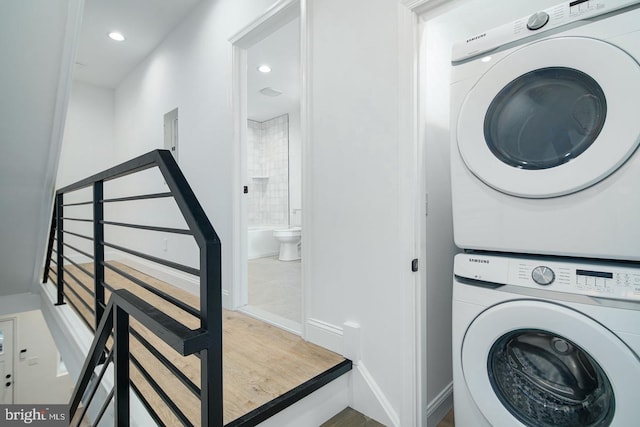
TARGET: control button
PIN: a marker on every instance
(537, 21)
(543, 275)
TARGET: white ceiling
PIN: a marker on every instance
(145, 23)
(281, 51)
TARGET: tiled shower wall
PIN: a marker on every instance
(268, 171)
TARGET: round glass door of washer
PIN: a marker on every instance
(547, 380)
(545, 121)
(541, 364)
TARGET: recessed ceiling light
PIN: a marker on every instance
(486, 59)
(114, 35)
(264, 68)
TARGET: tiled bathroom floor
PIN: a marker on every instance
(275, 287)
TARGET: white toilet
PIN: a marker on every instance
(289, 239)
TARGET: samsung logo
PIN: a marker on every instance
(479, 36)
(478, 260)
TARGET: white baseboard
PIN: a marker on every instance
(369, 398)
(440, 406)
(366, 396)
(325, 335)
(266, 254)
(272, 319)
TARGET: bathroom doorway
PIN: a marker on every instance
(268, 273)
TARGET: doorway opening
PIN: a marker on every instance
(269, 216)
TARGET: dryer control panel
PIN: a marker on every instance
(535, 23)
(599, 279)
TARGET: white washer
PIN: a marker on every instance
(545, 129)
(545, 342)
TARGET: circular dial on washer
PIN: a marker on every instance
(543, 275)
(537, 20)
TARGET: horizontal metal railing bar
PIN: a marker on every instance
(79, 203)
(88, 255)
(96, 384)
(182, 339)
(157, 260)
(141, 197)
(149, 227)
(78, 235)
(161, 393)
(53, 281)
(53, 262)
(90, 291)
(132, 166)
(146, 404)
(167, 363)
(76, 219)
(79, 267)
(103, 409)
(80, 299)
(187, 202)
(180, 304)
(79, 313)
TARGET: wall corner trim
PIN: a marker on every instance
(440, 405)
(385, 412)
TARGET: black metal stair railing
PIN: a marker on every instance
(112, 319)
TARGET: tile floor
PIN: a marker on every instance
(275, 287)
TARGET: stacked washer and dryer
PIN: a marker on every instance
(546, 204)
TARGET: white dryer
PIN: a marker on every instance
(545, 130)
(545, 342)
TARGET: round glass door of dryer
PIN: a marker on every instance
(546, 380)
(545, 118)
(544, 121)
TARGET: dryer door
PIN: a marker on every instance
(538, 364)
(552, 118)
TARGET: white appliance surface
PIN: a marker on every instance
(545, 132)
(545, 342)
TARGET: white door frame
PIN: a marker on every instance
(10, 350)
(274, 18)
(412, 131)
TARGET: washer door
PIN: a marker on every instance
(552, 118)
(538, 364)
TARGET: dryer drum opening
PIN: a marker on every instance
(545, 118)
(547, 380)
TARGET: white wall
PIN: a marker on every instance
(359, 265)
(88, 144)
(37, 376)
(191, 70)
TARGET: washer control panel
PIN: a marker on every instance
(535, 23)
(602, 279)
